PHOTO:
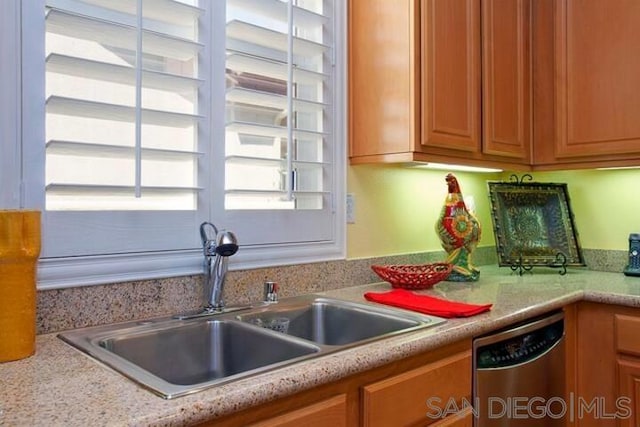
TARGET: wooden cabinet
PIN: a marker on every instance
(330, 412)
(587, 103)
(440, 81)
(628, 407)
(379, 396)
(506, 72)
(450, 74)
(517, 84)
(627, 336)
(607, 350)
(421, 396)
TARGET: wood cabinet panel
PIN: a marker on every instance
(608, 369)
(451, 74)
(597, 67)
(627, 334)
(416, 85)
(460, 81)
(506, 71)
(331, 412)
(596, 360)
(405, 399)
(383, 73)
(462, 419)
(323, 405)
(628, 405)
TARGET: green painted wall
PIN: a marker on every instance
(397, 207)
(605, 203)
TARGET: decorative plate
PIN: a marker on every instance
(533, 224)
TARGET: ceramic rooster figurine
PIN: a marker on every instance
(459, 232)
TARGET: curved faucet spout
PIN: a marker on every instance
(218, 275)
(216, 252)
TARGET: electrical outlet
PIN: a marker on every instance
(351, 208)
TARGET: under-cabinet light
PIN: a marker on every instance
(613, 168)
(454, 168)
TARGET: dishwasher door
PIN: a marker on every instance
(519, 375)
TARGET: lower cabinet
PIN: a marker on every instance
(434, 388)
(433, 393)
(607, 366)
(330, 412)
(629, 391)
(627, 333)
(463, 418)
(431, 388)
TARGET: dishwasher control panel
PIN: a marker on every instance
(519, 349)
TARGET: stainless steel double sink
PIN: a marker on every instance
(173, 357)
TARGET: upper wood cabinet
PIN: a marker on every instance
(450, 53)
(587, 108)
(506, 72)
(440, 81)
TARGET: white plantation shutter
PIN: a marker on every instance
(280, 139)
(140, 119)
(122, 124)
(121, 81)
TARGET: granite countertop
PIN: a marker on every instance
(59, 385)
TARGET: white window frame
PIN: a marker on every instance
(22, 104)
(10, 106)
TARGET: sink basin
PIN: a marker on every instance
(204, 351)
(334, 322)
(173, 357)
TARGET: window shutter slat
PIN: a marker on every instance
(80, 67)
(105, 150)
(263, 37)
(246, 63)
(277, 10)
(101, 110)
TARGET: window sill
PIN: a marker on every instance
(56, 273)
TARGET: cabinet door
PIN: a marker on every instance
(628, 402)
(331, 412)
(598, 64)
(450, 93)
(383, 73)
(422, 396)
(462, 419)
(506, 82)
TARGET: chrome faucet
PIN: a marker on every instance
(218, 247)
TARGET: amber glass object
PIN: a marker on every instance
(19, 251)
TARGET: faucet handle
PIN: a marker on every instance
(270, 292)
(209, 248)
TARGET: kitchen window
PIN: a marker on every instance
(142, 118)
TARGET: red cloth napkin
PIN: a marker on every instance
(425, 304)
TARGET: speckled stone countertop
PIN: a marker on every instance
(61, 386)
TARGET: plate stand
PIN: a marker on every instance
(560, 262)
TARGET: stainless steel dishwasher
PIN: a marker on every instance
(519, 375)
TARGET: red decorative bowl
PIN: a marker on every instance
(420, 276)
